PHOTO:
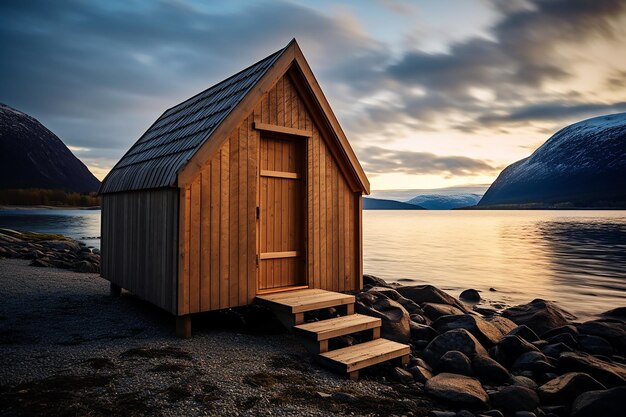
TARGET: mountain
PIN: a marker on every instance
(379, 204)
(446, 202)
(31, 156)
(582, 165)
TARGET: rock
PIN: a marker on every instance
(533, 361)
(433, 311)
(607, 373)
(567, 329)
(565, 388)
(457, 389)
(429, 294)
(611, 402)
(539, 315)
(394, 295)
(438, 413)
(39, 263)
(372, 281)
(491, 413)
(565, 338)
(422, 332)
(525, 333)
(345, 397)
(419, 319)
(618, 313)
(401, 375)
(524, 414)
(510, 348)
(514, 398)
(470, 296)
(595, 345)
(420, 374)
(485, 310)
(458, 339)
(486, 333)
(612, 330)
(454, 362)
(555, 350)
(464, 413)
(554, 410)
(523, 381)
(503, 324)
(70, 245)
(395, 319)
(85, 266)
(421, 362)
(489, 371)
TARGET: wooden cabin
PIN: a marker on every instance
(249, 187)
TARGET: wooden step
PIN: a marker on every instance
(353, 358)
(300, 301)
(339, 326)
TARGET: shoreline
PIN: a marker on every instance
(44, 207)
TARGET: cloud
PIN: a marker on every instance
(377, 160)
(554, 111)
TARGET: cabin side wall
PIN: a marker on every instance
(140, 243)
(218, 225)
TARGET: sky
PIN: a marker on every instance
(431, 93)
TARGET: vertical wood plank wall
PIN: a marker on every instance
(140, 242)
(218, 226)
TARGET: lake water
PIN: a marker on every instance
(83, 225)
(577, 258)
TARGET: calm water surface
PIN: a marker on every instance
(577, 258)
(83, 225)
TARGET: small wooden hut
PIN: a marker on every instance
(246, 188)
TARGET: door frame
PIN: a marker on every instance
(303, 138)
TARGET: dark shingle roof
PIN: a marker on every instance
(155, 159)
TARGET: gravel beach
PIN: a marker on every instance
(69, 348)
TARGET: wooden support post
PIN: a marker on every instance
(323, 346)
(403, 360)
(183, 326)
(115, 290)
(376, 333)
(349, 309)
(298, 318)
(354, 375)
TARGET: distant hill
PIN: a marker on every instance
(446, 202)
(31, 156)
(379, 204)
(582, 165)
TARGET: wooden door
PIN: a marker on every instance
(282, 213)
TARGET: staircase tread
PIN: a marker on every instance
(307, 299)
(365, 354)
(339, 326)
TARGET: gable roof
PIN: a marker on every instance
(175, 139)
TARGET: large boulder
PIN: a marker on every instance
(488, 371)
(612, 330)
(540, 315)
(420, 374)
(595, 345)
(428, 294)
(395, 319)
(565, 388)
(618, 313)
(607, 373)
(422, 332)
(525, 333)
(458, 389)
(372, 281)
(486, 333)
(394, 295)
(510, 348)
(454, 362)
(457, 339)
(533, 361)
(502, 323)
(514, 398)
(433, 310)
(611, 402)
(470, 296)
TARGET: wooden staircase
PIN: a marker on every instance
(290, 306)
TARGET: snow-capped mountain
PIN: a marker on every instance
(31, 156)
(582, 165)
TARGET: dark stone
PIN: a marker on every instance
(464, 413)
(86, 267)
(514, 398)
(491, 413)
(524, 414)
(372, 281)
(534, 361)
(523, 381)
(488, 371)
(555, 350)
(39, 263)
(618, 313)
(611, 402)
(612, 330)
(433, 311)
(395, 319)
(486, 333)
(554, 410)
(567, 329)
(607, 373)
(345, 397)
(503, 324)
(401, 375)
(540, 315)
(394, 295)
(419, 318)
(422, 332)
(510, 348)
(564, 338)
(470, 296)
(429, 294)
(457, 389)
(420, 374)
(565, 388)
(525, 333)
(454, 362)
(458, 339)
(595, 345)
(439, 413)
